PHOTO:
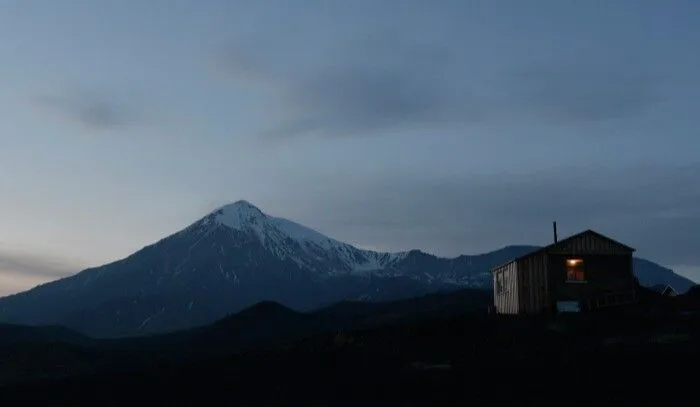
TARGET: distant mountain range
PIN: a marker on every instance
(237, 256)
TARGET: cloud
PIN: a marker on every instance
(44, 267)
(655, 209)
(358, 89)
(12, 282)
(20, 271)
(245, 63)
(585, 92)
(91, 111)
(378, 82)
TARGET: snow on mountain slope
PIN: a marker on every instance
(282, 237)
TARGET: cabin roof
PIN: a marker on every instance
(563, 242)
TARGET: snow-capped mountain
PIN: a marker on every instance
(237, 256)
(290, 241)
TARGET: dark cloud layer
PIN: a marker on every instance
(655, 209)
(574, 94)
(94, 112)
(359, 90)
(385, 82)
(35, 265)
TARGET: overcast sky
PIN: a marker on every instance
(456, 127)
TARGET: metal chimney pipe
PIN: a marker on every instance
(554, 226)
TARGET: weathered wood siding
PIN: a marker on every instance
(505, 289)
(533, 284)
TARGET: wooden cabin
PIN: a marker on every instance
(583, 272)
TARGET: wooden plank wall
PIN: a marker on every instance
(506, 300)
(534, 287)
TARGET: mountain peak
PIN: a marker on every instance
(238, 214)
(242, 204)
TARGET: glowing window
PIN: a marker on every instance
(575, 271)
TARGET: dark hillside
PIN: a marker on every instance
(270, 324)
(448, 359)
(11, 334)
(440, 346)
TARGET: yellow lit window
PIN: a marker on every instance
(575, 271)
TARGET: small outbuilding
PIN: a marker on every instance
(583, 272)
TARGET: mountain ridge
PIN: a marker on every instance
(236, 256)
